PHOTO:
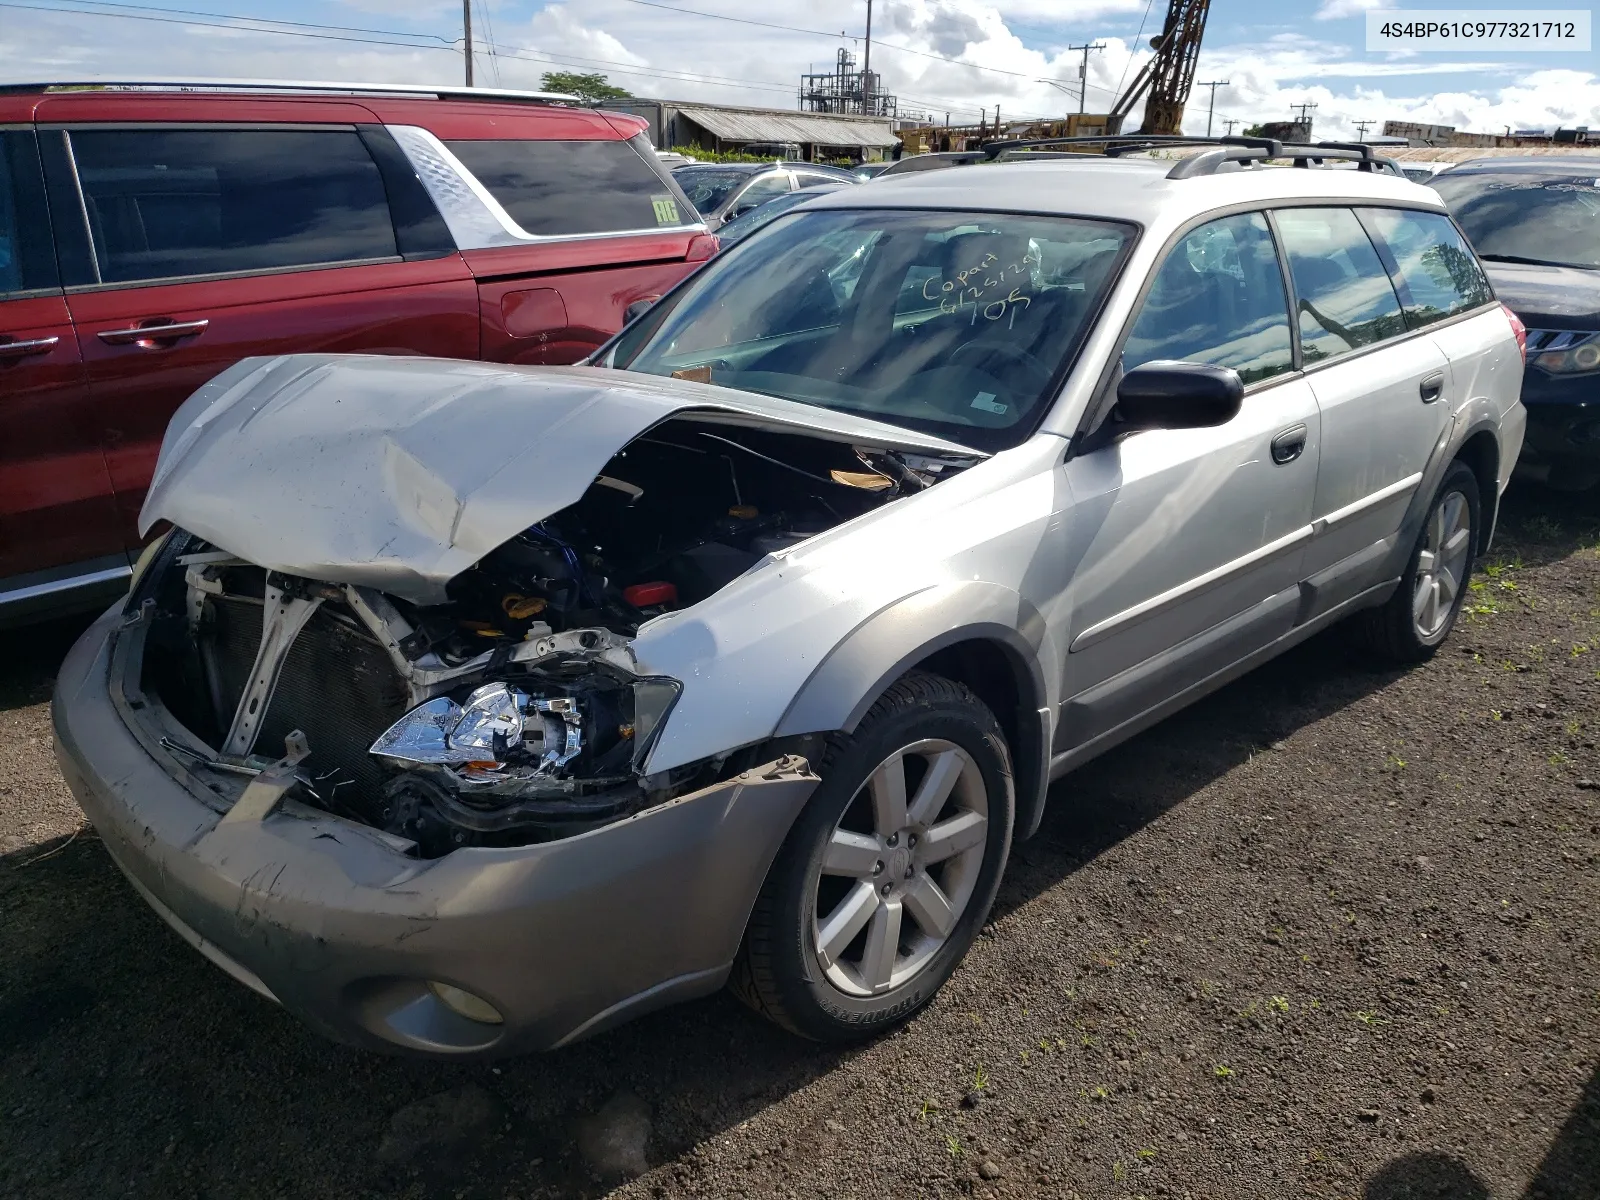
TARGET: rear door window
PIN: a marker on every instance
(563, 188)
(1343, 295)
(172, 203)
(1435, 273)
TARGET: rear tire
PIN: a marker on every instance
(890, 871)
(1415, 621)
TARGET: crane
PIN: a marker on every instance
(1170, 74)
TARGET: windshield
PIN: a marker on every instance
(708, 187)
(1516, 217)
(956, 324)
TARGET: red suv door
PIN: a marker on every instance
(201, 242)
(58, 528)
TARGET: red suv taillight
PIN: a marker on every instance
(704, 245)
(1518, 328)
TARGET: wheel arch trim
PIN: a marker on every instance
(857, 671)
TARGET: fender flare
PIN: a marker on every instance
(851, 677)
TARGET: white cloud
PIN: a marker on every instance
(1332, 10)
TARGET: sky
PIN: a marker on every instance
(960, 57)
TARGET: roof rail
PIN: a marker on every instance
(163, 84)
(1240, 150)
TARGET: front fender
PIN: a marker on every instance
(889, 643)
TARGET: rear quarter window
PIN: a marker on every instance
(562, 188)
(1435, 272)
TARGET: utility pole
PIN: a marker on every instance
(1230, 122)
(1212, 110)
(1361, 129)
(466, 25)
(1305, 115)
(1083, 71)
(866, 66)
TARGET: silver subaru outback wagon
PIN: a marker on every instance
(471, 709)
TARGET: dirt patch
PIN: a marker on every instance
(1329, 933)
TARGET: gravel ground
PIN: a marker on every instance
(1330, 933)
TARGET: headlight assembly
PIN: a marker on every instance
(1568, 353)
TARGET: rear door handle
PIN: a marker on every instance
(24, 349)
(151, 336)
(1289, 445)
(1432, 387)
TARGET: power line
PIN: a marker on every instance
(323, 37)
(313, 30)
(190, 12)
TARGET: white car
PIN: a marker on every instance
(471, 709)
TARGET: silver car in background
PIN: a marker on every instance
(472, 709)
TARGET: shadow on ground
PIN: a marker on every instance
(130, 1066)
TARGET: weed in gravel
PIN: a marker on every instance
(952, 1145)
(1147, 1154)
(980, 1079)
(1368, 1018)
(1279, 1004)
(1118, 1171)
(1222, 1071)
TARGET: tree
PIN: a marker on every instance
(1250, 130)
(589, 88)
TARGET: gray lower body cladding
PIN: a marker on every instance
(563, 938)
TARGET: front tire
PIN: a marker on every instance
(1419, 616)
(886, 878)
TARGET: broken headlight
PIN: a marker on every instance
(591, 727)
(539, 752)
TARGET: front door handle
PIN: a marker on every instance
(1289, 445)
(24, 349)
(1432, 387)
(152, 336)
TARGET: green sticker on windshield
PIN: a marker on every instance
(666, 210)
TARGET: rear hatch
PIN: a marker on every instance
(565, 216)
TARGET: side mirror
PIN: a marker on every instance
(638, 309)
(1177, 395)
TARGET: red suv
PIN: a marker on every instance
(153, 234)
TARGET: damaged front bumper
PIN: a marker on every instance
(370, 945)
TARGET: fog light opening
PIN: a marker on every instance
(465, 1004)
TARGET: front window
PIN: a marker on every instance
(1548, 220)
(957, 324)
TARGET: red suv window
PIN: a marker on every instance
(183, 202)
(560, 188)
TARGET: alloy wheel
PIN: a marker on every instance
(900, 867)
(1441, 565)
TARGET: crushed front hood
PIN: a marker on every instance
(400, 473)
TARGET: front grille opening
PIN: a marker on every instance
(338, 686)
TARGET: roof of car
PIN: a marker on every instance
(1545, 164)
(284, 87)
(1121, 188)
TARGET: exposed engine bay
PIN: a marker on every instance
(513, 712)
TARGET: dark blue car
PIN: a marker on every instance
(1535, 223)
